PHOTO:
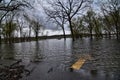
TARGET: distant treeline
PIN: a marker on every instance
(59, 37)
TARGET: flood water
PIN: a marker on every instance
(51, 59)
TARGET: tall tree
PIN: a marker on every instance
(89, 19)
(97, 26)
(108, 25)
(70, 8)
(78, 26)
(112, 8)
(36, 28)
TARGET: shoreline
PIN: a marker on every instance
(27, 39)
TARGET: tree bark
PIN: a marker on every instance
(71, 29)
(64, 32)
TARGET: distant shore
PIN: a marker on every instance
(26, 39)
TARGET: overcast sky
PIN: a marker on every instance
(38, 11)
(39, 14)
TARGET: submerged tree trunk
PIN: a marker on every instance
(29, 33)
(0, 32)
(36, 35)
(71, 29)
(64, 33)
(21, 35)
(63, 20)
(117, 32)
(90, 28)
(109, 34)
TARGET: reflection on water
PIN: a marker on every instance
(55, 56)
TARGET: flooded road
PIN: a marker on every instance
(51, 59)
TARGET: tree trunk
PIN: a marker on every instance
(63, 31)
(0, 37)
(109, 33)
(36, 35)
(0, 32)
(117, 33)
(71, 29)
(117, 30)
(21, 36)
(90, 27)
(29, 33)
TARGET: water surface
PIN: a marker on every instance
(51, 59)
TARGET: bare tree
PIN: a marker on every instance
(34, 24)
(36, 28)
(57, 16)
(20, 24)
(10, 6)
(70, 8)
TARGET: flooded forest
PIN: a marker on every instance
(59, 39)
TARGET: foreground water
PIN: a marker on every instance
(51, 59)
